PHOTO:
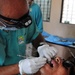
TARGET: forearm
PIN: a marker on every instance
(39, 39)
(9, 70)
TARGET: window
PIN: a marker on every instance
(68, 12)
(45, 8)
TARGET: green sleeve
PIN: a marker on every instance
(2, 51)
(32, 32)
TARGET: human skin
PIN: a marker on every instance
(12, 9)
(57, 68)
(15, 9)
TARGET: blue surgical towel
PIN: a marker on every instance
(58, 40)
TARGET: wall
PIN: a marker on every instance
(56, 28)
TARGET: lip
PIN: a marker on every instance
(52, 63)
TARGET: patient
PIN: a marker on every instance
(57, 69)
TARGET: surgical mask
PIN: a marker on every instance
(14, 24)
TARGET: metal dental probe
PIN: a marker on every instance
(21, 56)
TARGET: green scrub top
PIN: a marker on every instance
(13, 43)
(35, 11)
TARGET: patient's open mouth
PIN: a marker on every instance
(52, 63)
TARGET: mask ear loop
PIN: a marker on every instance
(2, 24)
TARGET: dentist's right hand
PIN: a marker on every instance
(30, 66)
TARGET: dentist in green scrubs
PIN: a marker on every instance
(17, 28)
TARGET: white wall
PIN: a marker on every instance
(56, 28)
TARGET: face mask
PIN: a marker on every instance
(13, 24)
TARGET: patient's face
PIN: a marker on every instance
(57, 68)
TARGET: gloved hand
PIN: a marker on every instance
(30, 66)
(47, 51)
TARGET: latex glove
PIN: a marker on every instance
(30, 66)
(47, 51)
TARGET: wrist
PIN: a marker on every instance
(20, 67)
(42, 43)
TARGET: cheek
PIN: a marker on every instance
(46, 71)
(62, 71)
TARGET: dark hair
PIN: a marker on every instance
(72, 69)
